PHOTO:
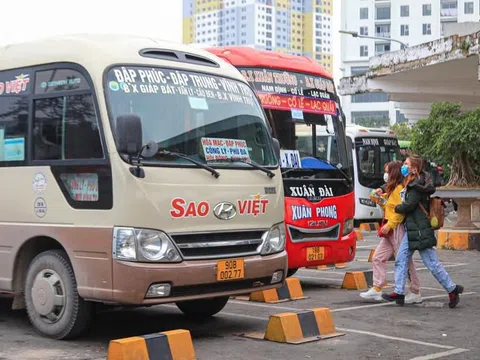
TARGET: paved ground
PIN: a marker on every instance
(373, 331)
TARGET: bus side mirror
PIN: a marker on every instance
(276, 147)
(129, 134)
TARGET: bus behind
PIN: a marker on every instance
(300, 100)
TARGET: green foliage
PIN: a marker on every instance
(403, 131)
(450, 136)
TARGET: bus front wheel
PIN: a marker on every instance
(53, 305)
(202, 308)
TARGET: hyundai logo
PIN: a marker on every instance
(224, 211)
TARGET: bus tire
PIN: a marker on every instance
(53, 305)
(202, 308)
(291, 272)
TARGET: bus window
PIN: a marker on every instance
(13, 128)
(66, 127)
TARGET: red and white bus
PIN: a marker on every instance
(300, 100)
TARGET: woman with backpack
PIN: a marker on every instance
(418, 187)
(392, 233)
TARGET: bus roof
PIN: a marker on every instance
(250, 57)
(357, 131)
(99, 51)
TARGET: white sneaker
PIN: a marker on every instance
(412, 298)
(372, 294)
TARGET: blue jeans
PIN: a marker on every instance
(429, 258)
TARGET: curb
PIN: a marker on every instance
(451, 239)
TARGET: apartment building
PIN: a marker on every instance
(411, 22)
(300, 27)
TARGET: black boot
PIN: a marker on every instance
(398, 298)
(455, 296)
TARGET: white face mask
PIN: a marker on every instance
(385, 177)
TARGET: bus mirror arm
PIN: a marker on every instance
(276, 147)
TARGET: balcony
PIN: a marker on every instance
(383, 34)
(449, 12)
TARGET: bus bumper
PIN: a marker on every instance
(191, 280)
(335, 251)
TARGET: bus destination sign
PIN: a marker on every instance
(284, 90)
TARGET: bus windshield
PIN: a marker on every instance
(372, 154)
(211, 119)
(299, 107)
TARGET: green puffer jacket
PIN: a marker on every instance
(420, 233)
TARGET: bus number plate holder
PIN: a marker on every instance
(315, 253)
(230, 270)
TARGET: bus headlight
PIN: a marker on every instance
(274, 239)
(143, 245)
(347, 227)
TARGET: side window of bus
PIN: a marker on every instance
(349, 150)
(66, 127)
(13, 128)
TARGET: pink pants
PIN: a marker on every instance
(385, 249)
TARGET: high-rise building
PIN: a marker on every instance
(300, 27)
(410, 21)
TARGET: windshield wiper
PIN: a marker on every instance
(326, 162)
(214, 172)
(270, 174)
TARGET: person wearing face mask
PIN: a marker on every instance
(418, 186)
(392, 233)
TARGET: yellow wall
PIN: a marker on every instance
(188, 36)
(308, 45)
(207, 6)
(296, 32)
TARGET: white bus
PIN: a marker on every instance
(371, 149)
(134, 172)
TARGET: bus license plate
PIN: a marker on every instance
(230, 270)
(315, 253)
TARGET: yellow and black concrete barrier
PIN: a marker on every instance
(326, 267)
(357, 280)
(168, 345)
(291, 290)
(369, 227)
(452, 239)
(298, 328)
(359, 234)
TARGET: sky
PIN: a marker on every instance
(33, 19)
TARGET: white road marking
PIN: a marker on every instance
(270, 306)
(391, 303)
(396, 338)
(279, 307)
(451, 348)
(445, 266)
(317, 278)
(440, 354)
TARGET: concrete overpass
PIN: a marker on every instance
(447, 69)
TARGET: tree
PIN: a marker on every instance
(450, 136)
(403, 131)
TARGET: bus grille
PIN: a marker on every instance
(218, 245)
(305, 235)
